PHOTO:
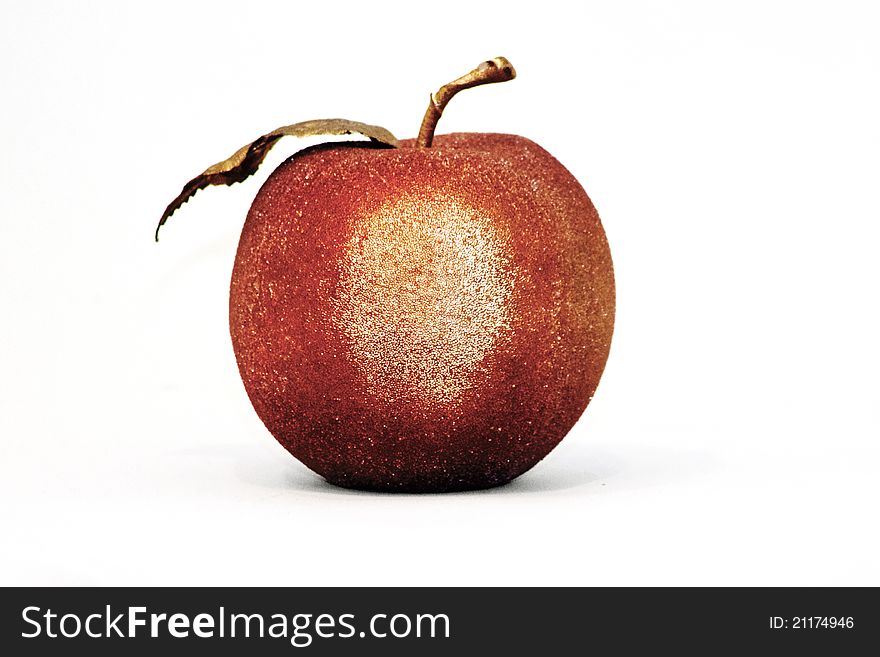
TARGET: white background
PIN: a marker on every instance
(731, 151)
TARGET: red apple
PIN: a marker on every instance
(430, 317)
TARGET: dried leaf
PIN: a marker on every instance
(247, 159)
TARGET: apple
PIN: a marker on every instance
(427, 315)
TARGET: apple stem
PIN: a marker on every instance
(495, 70)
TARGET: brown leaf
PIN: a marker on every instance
(247, 159)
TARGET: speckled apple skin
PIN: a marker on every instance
(422, 320)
